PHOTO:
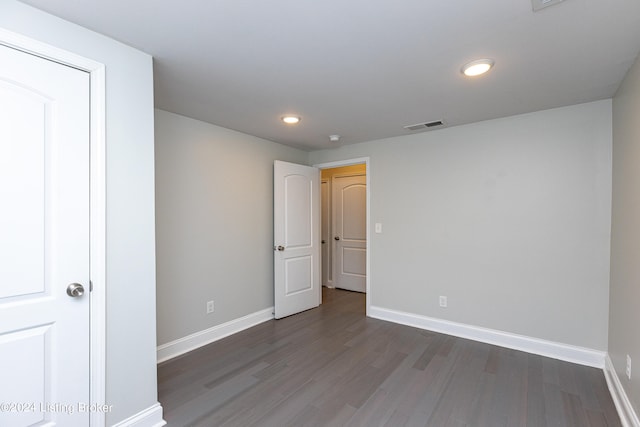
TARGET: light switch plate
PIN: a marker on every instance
(378, 227)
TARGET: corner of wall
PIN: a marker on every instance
(628, 416)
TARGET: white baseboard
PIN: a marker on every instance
(628, 416)
(191, 342)
(150, 417)
(566, 352)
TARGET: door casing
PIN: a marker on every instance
(349, 162)
(97, 204)
(325, 216)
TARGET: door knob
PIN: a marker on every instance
(75, 290)
(323, 242)
(280, 248)
(337, 238)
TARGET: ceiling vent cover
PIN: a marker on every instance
(424, 126)
(541, 4)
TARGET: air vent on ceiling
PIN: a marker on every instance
(541, 4)
(424, 126)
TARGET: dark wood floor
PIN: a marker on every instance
(332, 366)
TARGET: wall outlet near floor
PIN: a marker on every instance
(443, 301)
(210, 307)
(628, 370)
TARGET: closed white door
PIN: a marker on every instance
(296, 229)
(350, 232)
(44, 242)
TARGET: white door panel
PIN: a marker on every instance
(44, 224)
(354, 260)
(299, 272)
(296, 238)
(22, 205)
(26, 379)
(350, 232)
(298, 224)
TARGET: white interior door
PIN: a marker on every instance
(44, 244)
(350, 232)
(296, 229)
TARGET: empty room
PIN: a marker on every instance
(244, 213)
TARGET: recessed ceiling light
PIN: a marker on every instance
(477, 67)
(291, 120)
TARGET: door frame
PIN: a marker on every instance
(97, 204)
(350, 162)
(334, 244)
(327, 204)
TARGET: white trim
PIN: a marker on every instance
(97, 202)
(98, 232)
(150, 417)
(628, 416)
(341, 163)
(323, 203)
(191, 342)
(348, 174)
(556, 350)
(350, 162)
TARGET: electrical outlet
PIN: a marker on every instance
(628, 371)
(210, 307)
(443, 301)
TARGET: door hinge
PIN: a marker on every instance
(90, 286)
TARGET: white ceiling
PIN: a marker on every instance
(364, 69)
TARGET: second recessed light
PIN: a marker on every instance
(477, 67)
(291, 120)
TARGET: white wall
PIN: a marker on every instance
(131, 341)
(624, 311)
(214, 198)
(509, 218)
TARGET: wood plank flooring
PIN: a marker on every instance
(332, 366)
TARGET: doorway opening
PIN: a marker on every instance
(345, 239)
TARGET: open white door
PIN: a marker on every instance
(296, 230)
(44, 248)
